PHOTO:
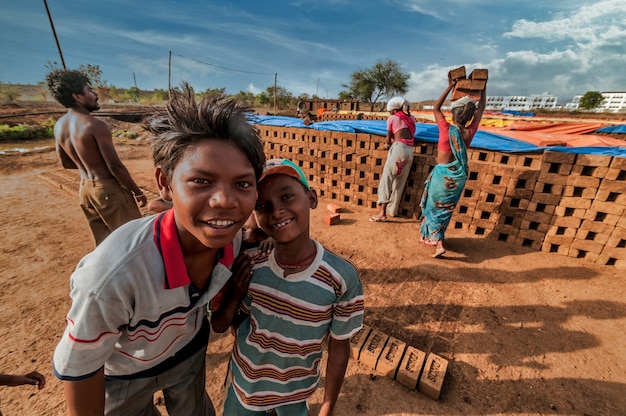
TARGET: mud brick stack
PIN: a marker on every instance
(553, 178)
(517, 196)
(557, 202)
(609, 207)
(539, 205)
(424, 160)
(363, 183)
(479, 168)
(471, 86)
(597, 224)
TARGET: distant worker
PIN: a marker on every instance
(446, 181)
(400, 138)
(300, 108)
(108, 195)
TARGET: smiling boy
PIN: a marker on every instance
(300, 296)
(138, 322)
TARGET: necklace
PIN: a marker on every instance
(298, 265)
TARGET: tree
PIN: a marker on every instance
(345, 95)
(93, 72)
(95, 75)
(591, 100)
(246, 97)
(283, 97)
(384, 79)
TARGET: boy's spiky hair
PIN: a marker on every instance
(187, 122)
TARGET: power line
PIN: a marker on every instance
(225, 68)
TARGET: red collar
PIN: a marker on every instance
(168, 244)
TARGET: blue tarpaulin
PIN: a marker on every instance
(620, 128)
(427, 132)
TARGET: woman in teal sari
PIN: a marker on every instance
(446, 181)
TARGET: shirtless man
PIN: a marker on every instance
(108, 194)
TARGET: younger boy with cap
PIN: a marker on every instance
(300, 296)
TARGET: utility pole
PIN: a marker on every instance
(169, 75)
(136, 89)
(275, 78)
(54, 32)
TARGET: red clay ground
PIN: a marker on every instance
(526, 333)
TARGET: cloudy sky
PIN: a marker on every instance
(561, 47)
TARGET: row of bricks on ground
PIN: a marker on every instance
(613, 253)
(594, 226)
(390, 357)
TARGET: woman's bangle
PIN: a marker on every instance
(138, 195)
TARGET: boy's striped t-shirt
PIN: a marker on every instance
(276, 358)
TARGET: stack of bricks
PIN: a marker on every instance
(471, 86)
(609, 207)
(424, 159)
(390, 357)
(465, 211)
(515, 202)
(596, 227)
(553, 177)
(558, 202)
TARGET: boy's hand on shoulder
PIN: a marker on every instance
(266, 246)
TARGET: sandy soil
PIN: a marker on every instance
(525, 333)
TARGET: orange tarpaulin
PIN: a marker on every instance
(556, 134)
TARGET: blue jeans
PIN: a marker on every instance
(232, 407)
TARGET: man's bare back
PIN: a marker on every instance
(108, 194)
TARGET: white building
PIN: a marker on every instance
(520, 102)
(614, 102)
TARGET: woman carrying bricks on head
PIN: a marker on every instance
(400, 136)
(446, 181)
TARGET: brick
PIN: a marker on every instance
(373, 348)
(618, 163)
(390, 358)
(479, 73)
(433, 376)
(358, 340)
(410, 367)
(555, 247)
(532, 162)
(456, 73)
(586, 246)
(332, 219)
(551, 178)
(559, 157)
(471, 85)
(572, 202)
(334, 208)
(584, 181)
(593, 160)
(608, 207)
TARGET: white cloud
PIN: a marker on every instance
(582, 52)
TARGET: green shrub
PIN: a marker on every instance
(25, 132)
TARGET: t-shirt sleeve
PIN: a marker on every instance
(93, 328)
(349, 308)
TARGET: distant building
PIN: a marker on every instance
(520, 102)
(614, 102)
